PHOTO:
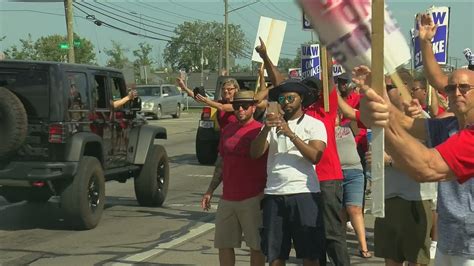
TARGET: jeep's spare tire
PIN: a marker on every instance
(13, 122)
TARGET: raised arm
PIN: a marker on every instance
(275, 76)
(183, 87)
(427, 30)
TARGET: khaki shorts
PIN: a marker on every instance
(404, 233)
(236, 217)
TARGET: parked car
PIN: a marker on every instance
(207, 135)
(61, 136)
(160, 100)
(189, 102)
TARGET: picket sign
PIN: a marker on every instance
(272, 32)
(345, 28)
(440, 16)
(325, 75)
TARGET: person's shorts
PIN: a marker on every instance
(236, 217)
(404, 233)
(443, 259)
(290, 218)
(353, 187)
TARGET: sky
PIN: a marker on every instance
(18, 19)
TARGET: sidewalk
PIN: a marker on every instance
(200, 251)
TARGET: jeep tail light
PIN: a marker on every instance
(57, 133)
(206, 113)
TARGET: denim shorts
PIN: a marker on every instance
(353, 187)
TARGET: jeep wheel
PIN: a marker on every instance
(83, 199)
(178, 112)
(14, 122)
(151, 186)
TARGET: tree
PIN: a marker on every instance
(285, 63)
(116, 54)
(26, 51)
(194, 38)
(143, 60)
(46, 48)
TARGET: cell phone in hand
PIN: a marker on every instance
(199, 90)
(273, 108)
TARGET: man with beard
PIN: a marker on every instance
(243, 182)
(291, 206)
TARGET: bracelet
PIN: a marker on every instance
(293, 137)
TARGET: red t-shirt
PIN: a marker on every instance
(242, 176)
(329, 167)
(224, 118)
(458, 153)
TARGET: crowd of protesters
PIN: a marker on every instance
(295, 178)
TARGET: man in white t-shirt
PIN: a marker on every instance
(291, 206)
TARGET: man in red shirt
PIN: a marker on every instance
(243, 183)
(452, 159)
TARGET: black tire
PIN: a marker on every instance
(151, 186)
(13, 121)
(178, 111)
(206, 151)
(83, 199)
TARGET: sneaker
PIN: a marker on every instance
(349, 227)
(433, 249)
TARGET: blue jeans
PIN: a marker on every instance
(353, 187)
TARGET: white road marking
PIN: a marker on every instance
(201, 175)
(160, 248)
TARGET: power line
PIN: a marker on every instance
(103, 23)
(162, 24)
(124, 22)
(186, 18)
(151, 19)
(197, 10)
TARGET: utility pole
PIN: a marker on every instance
(202, 67)
(70, 31)
(226, 25)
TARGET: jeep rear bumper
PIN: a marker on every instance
(24, 173)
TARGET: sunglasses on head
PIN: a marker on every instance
(244, 105)
(463, 88)
(283, 99)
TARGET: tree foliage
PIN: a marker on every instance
(46, 48)
(117, 58)
(143, 59)
(194, 38)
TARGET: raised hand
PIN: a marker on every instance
(413, 109)
(261, 49)
(374, 109)
(361, 75)
(180, 83)
(426, 27)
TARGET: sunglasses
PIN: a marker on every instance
(228, 89)
(244, 106)
(283, 99)
(417, 88)
(463, 88)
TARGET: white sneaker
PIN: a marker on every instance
(349, 227)
(433, 249)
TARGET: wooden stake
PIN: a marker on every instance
(325, 77)
(378, 134)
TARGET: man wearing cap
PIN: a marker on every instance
(295, 143)
(243, 183)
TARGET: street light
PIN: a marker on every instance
(226, 26)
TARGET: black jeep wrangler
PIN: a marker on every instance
(61, 135)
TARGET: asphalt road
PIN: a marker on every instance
(36, 234)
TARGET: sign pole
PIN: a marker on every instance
(325, 77)
(378, 134)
